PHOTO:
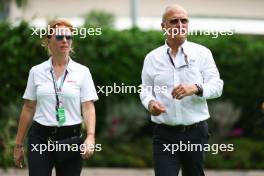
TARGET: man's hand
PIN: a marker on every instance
(89, 147)
(183, 90)
(156, 108)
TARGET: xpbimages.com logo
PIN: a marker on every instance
(128, 89)
(55, 146)
(82, 31)
(174, 32)
(213, 148)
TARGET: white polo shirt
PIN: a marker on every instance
(194, 64)
(78, 87)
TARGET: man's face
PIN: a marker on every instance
(176, 24)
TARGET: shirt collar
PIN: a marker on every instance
(182, 47)
(184, 50)
(48, 65)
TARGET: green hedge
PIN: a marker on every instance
(247, 154)
(117, 56)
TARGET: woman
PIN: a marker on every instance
(57, 90)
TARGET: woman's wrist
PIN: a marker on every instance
(90, 134)
(19, 145)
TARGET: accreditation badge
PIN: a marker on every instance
(61, 115)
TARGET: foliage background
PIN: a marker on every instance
(117, 57)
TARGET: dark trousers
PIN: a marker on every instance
(169, 158)
(41, 164)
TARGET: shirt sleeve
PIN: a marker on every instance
(146, 93)
(88, 91)
(30, 92)
(212, 84)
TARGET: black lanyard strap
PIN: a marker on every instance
(56, 88)
(171, 60)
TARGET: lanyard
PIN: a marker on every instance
(168, 52)
(171, 60)
(56, 88)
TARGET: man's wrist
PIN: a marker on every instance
(199, 91)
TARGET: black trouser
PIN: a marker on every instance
(41, 164)
(169, 158)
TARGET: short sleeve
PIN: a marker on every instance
(88, 91)
(30, 92)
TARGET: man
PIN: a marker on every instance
(189, 73)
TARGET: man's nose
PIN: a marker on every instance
(179, 23)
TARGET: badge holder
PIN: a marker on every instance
(60, 113)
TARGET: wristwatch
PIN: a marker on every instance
(200, 90)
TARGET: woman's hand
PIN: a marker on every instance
(88, 111)
(25, 120)
(88, 147)
(19, 156)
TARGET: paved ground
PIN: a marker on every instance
(133, 172)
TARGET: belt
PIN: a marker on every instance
(182, 128)
(55, 130)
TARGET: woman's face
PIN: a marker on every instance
(60, 41)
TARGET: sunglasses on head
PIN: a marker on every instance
(176, 21)
(61, 37)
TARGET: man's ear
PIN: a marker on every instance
(162, 26)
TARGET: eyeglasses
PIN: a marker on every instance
(61, 37)
(176, 21)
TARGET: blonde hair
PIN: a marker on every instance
(50, 29)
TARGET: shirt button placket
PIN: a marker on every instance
(177, 102)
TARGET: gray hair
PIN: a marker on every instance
(171, 7)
